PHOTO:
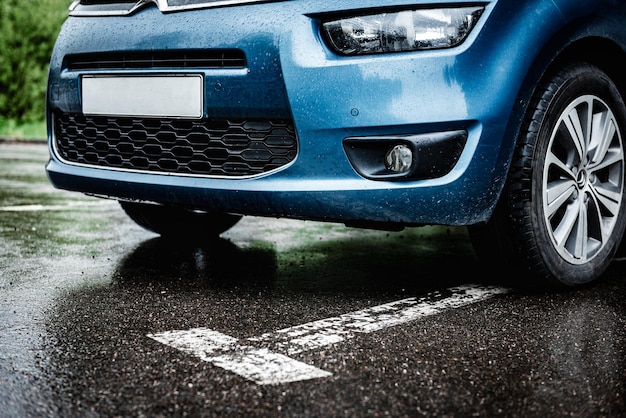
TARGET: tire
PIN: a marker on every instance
(175, 222)
(562, 213)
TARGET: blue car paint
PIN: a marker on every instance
(481, 86)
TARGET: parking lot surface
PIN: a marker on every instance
(281, 318)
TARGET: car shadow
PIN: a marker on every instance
(383, 263)
(216, 263)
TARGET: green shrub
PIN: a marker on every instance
(28, 30)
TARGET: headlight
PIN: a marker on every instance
(409, 30)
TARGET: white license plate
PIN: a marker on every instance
(154, 96)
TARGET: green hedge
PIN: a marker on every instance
(27, 33)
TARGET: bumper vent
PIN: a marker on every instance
(204, 59)
(212, 147)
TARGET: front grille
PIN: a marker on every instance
(205, 59)
(127, 7)
(211, 147)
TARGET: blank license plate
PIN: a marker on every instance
(155, 96)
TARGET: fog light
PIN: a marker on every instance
(406, 157)
(399, 159)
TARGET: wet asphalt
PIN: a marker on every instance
(82, 287)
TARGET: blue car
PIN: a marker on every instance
(505, 116)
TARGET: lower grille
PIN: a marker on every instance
(211, 147)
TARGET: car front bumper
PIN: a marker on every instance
(290, 74)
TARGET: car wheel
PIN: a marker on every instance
(175, 222)
(561, 217)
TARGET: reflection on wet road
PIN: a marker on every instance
(83, 289)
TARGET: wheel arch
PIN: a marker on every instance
(601, 52)
(605, 53)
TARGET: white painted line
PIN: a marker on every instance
(40, 208)
(265, 367)
(259, 365)
(270, 364)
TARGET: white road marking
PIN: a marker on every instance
(264, 359)
(265, 367)
(39, 208)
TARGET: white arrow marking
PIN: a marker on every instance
(260, 359)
